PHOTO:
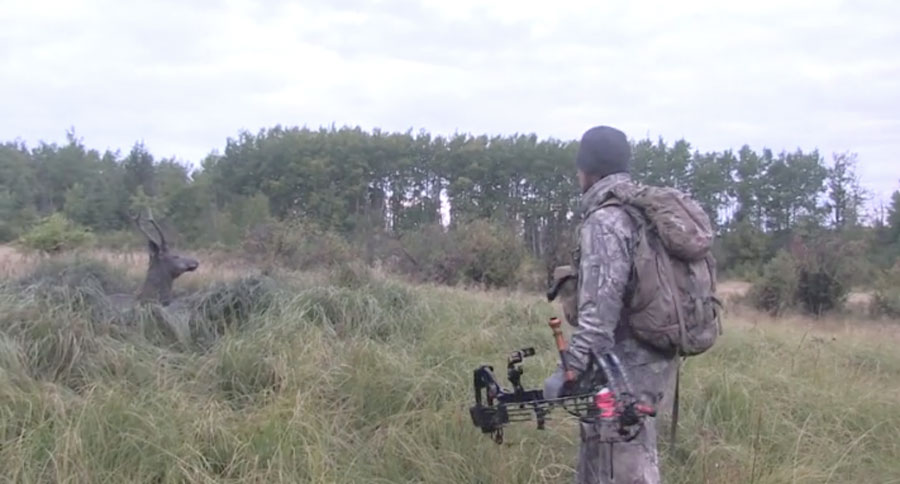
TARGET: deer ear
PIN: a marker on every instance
(153, 247)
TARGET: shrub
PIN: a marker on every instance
(121, 240)
(479, 252)
(531, 275)
(75, 272)
(8, 232)
(351, 274)
(379, 310)
(886, 303)
(230, 305)
(428, 254)
(825, 267)
(886, 298)
(297, 244)
(742, 250)
(56, 234)
(776, 291)
(491, 253)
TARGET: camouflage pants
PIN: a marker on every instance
(634, 462)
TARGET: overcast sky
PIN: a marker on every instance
(183, 76)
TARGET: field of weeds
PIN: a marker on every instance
(350, 376)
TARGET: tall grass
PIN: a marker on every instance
(359, 378)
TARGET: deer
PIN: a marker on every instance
(165, 266)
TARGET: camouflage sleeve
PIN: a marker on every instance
(603, 274)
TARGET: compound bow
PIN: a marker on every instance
(607, 401)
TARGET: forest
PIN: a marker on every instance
(331, 329)
(465, 207)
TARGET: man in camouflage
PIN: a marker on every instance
(604, 265)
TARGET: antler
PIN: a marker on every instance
(162, 238)
(137, 222)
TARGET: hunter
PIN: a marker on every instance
(604, 263)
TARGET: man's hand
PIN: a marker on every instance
(556, 386)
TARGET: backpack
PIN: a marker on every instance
(671, 301)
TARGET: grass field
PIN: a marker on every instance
(352, 377)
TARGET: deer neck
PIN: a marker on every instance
(157, 287)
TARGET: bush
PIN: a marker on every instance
(531, 275)
(230, 305)
(776, 291)
(742, 249)
(75, 272)
(886, 303)
(429, 254)
(491, 253)
(825, 267)
(297, 245)
(810, 276)
(886, 299)
(380, 311)
(121, 240)
(478, 252)
(8, 232)
(56, 234)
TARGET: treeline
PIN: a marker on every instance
(376, 189)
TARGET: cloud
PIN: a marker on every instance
(782, 74)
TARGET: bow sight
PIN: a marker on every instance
(603, 397)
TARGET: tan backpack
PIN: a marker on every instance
(671, 303)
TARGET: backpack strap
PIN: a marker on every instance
(682, 332)
(674, 426)
(676, 298)
(610, 201)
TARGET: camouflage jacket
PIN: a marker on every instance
(606, 239)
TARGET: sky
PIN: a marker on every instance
(184, 76)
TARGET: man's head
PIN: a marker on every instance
(603, 151)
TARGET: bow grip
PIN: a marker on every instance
(555, 326)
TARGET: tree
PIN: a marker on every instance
(795, 181)
(139, 171)
(749, 188)
(710, 181)
(846, 196)
(18, 189)
(893, 220)
(372, 186)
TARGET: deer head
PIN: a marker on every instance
(165, 266)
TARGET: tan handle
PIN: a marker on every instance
(556, 326)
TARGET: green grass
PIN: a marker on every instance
(369, 380)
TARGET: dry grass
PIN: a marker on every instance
(360, 378)
(728, 289)
(214, 266)
(857, 301)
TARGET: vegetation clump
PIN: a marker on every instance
(56, 234)
(886, 297)
(813, 277)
